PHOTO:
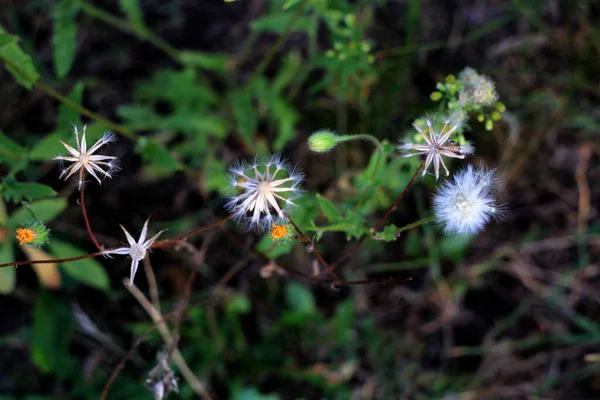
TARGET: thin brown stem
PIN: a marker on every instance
(168, 338)
(87, 221)
(152, 286)
(174, 241)
(59, 260)
(381, 221)
(305, 240)
(131, 352)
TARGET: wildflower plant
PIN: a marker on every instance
(263, 193)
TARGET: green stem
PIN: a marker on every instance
(139, 31)
(267, 60)
(361, 136)
(415, 224)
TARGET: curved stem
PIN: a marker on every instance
(267, 60)
(360, 136)
(60, 260)
(87, 221)
(380, 223)
(305, 240)
(173, 241)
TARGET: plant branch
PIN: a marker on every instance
(87, 221)
(174, 241)
(59, 260)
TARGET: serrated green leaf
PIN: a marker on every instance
(10, 151)
(244, 114)
(132, 9)
(16, 191)
(44, 210)
(64, 41)
(156, 155)
(50, 335)
(329, 210)
(88, 270)
(25, 72)
(8, 275)
(212, 62)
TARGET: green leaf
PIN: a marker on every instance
(157, 155)
(212, 62)
(388, 233)
(244, 113)
(299, 298)
(11, 189)
(25, 72)
(64, 41)
(10, 151)
(43, 210)
(88, 270)
(8, 275)
(132, 9)
(329, 210)
(279, 23)
(51, 332)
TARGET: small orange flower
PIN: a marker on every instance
(25, 235)
(278, 231)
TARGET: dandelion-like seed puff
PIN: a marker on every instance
(267, 185)
(136, 250)
(467, 203)
(437, 144)
(85, 160)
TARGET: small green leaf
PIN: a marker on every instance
(25, 72)
(329, 210)
(212, 62)
(88, 270)
(64, 41)
(42, 210)
(279, 23)
(299, 298)
(132, 9)
(238, 304)
(8, 275)
(157, 155)
(10, 151)
(388, 233)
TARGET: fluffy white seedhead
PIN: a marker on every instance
(85, 161)
(136, 250)
(437, 144)
(268, 188)
(467, 203)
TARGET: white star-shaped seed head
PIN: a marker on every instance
(268, 184)
(85, 160)
(437, 144)
(136, 250)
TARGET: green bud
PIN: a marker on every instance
(322, 141)
(450, 79)
(481, 117)
(500, 106)
(496, 116)
(489, 125)
(436, 96)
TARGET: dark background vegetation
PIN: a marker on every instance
(511, 314)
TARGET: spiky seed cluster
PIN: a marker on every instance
(84, 160)
(136, 250)
(437, 144)
(464, 205)
(266, 185)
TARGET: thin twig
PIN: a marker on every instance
(59, 260)
(87, 221)
(174, 241)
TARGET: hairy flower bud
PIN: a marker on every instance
(322, 141)
(36, 234)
